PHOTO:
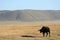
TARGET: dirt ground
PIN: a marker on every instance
(16, 30)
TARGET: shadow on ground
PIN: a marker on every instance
(31, 36)
(28, 36)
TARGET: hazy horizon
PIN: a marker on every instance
(30, 15)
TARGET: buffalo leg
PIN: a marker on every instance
(46, 34)
(43, 34)
(49, 34)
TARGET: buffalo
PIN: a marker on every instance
(45, 30)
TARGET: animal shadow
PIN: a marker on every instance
(30, 36)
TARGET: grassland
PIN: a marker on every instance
(15, 30)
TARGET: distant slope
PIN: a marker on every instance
(29, 15)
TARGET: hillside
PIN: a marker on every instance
(29, 15)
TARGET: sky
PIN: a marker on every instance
(30, 4)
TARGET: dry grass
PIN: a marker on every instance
(14, 31)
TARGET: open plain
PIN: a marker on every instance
(28, 30)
